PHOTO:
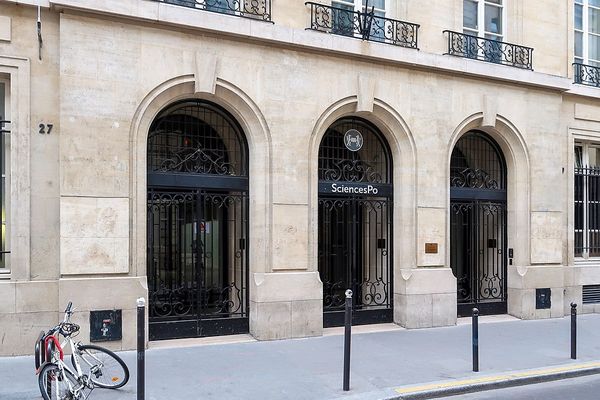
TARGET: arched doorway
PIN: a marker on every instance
(197, 250)
(478, 224)
(355, 216)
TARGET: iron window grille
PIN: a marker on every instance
(362, 25)
(587, 211)
(254, 9)
(4, 132)
(489, 50)
(586, 74)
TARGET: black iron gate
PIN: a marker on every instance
(197, 254)
(355, 231)
(197, 263)
(354, 235)
(478, 225)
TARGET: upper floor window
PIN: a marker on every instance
(361, 5)
(4, 175)
(484, 18)
(587, 32)
(345, 21)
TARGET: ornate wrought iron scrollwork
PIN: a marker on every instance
(473, 178)
(333, 295)
(255, 9)
(198, 161)
(352, 171)
(491, 287)
(225, 300)
(463, 292)
(366, 26)
(494, 51)
(375, 292)
(171, 301)
(586, 74)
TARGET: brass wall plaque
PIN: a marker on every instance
(431, 248)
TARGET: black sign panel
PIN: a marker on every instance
(350, 188)
(105, 325)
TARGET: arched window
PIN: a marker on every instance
(196, 137)
(369, 164)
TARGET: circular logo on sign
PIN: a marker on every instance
(353, 140)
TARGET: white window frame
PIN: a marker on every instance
(585, 162)
(357, 4)
(480, 31)
(585, 32)
(5, 223)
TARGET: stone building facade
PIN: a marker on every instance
(241, 171)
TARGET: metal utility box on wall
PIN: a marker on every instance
(543, 298)
(105, 325)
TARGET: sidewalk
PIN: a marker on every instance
(304, 369)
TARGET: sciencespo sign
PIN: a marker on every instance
(355, 188)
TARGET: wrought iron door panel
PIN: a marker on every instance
(197, 263)
(477, 251)
(354, 235)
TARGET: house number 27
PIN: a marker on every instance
(45, 129)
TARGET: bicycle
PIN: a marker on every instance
(57, 380)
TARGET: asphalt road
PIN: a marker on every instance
(584, 388)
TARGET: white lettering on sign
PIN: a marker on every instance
(369, 189)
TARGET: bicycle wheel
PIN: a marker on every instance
(105, 368)
(54, 384)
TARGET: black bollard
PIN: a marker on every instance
(573, 331)
(347, 335)
(475, 340)
(141, 349)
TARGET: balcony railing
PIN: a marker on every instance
(362, 25)
(494, 51)
(255, 9)
(586, 74)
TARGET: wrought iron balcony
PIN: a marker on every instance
(586, 74)
(494, 51)
(362, 25)
(255, 9)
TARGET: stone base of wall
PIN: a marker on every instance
(30, 307)
(425, 298)
(286, 305)
(523, 282)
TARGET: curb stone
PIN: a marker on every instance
(448, 388)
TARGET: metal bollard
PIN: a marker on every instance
(347, 335)
(475, 340)
(141, 349)
(573, 331)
